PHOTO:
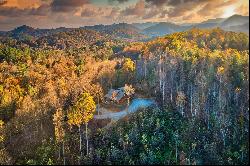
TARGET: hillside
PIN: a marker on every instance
(124, 82)
(162, 29)
(25, 33)
(232, 23)
(135, 31)
(72, 39)
(121, 31)
(198, 78)
(143, 26)
(238, 28)
(235, 20)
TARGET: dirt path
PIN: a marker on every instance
(106, 114)
(135, 105)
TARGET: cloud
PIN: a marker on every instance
(17, 12)
(153, 12)
(52, 13)
(119, 1)
(12, 11)
(182, 8)
(174, 3)
(157, 2)
(23, 4)
(67, 5)
(92, 12)
(42, 10)
(114, 13)
(2, 2)
(243, 9)
(175, 8)
(214, 8)
(89, 13)
(137, 10)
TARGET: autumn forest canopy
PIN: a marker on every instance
(66, 95)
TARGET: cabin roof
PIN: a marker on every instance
(115, 95)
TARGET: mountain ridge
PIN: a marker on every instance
(135, 31)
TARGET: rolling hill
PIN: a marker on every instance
(122, 31)
(235, 23)
(162, 28)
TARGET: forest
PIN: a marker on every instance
(52, 85)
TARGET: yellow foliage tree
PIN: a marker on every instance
(128, 69)
(81, 113)
(129, 65)
(1, 128)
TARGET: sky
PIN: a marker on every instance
(77, 13)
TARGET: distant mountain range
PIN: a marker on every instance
(236, 23)
(121, 31)
(134, 31)
(162, 28)
(143, 26)
(25, 32)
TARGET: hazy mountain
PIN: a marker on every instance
(2, 33)
(163, 28)
(188, 24)
(135, 31)
(112, 27)
(238, 28)
(143, 26)
(234, 21)
(205, 25)
(25, 32)
(122, 31)
(216, 20)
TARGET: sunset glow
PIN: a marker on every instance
(229, 11)
(76, 13)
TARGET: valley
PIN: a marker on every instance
(125, 93)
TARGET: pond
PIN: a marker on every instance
(138, 103)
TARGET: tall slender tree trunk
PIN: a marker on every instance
(160, 72)
(208, 119)
(59, 152)
(171, 89)
(80, 140)
(128, 101)
(242, 156)
(182, 110)
(220, 95)
(98, 108)
(64, 160)
(87, 140)
(163, 92)
(191, 100)
(223, 137)
(176, 151)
